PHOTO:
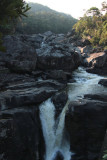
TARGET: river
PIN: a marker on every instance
(56, 140)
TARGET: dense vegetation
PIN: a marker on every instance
(41, 18)
(93, 26)
(9, 11)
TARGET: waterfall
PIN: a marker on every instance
(86, 83)
(53, 130)
(55, 140)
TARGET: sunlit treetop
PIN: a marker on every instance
(93, 11)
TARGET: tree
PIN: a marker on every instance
(9, 11)
(12, 9)
(93, 11)
(93, 26)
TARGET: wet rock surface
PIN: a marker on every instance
(28, 93)
(58, 156)
(103, 82)
(86, 122)
(20, 134)
(59, 100)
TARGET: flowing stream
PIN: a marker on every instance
(55, 139)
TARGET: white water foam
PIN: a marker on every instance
(86, 83)
(53, 136)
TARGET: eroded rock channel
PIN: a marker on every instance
(50, 107)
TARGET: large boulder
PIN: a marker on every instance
(27, 93)
(33, 40)
(57, 57)
(97, 63)
(21, 134)
(103, 82)
(58, 75)
(59, 100)
(86, 123)
(19, 56)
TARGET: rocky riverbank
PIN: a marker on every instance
(35, 68)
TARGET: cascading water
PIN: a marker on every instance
(86, 83)
(53, 132)
(54, 140)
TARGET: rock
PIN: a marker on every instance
(88, 49)
(86, 123)
(98, 97)
(52, 38)
(59, 100)
(86, 42)
(105, 51)
(57, 57)
(97, 63)
(19, 57)
(71, 33)
(97, 60)
(79, 42)
(100, 71)
(58, 75)
(59, 156)
(28, 93)
(103, 82)
(21, 134)
(48, 33)
(33, 40)
(82, 42)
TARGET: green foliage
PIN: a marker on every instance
(41, 18)
(105, 156)
(12, 9)
(93, 11)
(9, 11)
(93, 26)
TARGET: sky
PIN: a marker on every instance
(73, 7)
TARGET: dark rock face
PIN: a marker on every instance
(34, 40)
(20, 127)
(52, 53)
(28, 93)
(19, 57)
(88, 49)
(57, 57)
(21, 135)
(58, 156)
(86, 123)
(100, 71)
(59, 100)
(99, 97)
(103, 82)
(58, 75)
(97, 63)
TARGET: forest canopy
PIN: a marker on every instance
(41, 18)
(93, 26)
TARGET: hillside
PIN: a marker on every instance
(41, 18)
